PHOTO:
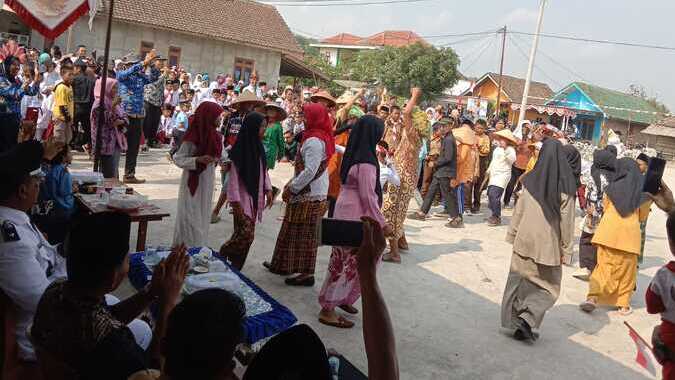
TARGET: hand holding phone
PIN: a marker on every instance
(340, 233)
(653, 176)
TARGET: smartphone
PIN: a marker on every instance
(340, 233)
(653, 176)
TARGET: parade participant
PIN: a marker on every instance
(396, 199)
(523, 155)
(383, 112)
(393, 127)
(305, 195)
(51, 78)
(325, 98)
(499, 172)
(243, 105)
(79, 329)
(113, 139)
(535, 148)
(467, 156)
(602, 173)
(660, 300)
(63, 106)
(274, 134)
(574, 160)
(165, 131)
(484, 149)
(154, 99)
(181, 124)
(617, 239)
(341, 133)
(360, 195)
(83, 98)
(12, 90)
(545, 208)
(500, 125)
(643, 164)
(249, 189)
(253, 86)
(438, 131)
(444, 180)
(131, 83)
(388, 174)
(201, 148)
(28, 262)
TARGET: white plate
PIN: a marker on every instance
(228, 281)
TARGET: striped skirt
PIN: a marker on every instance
(236, 249)
(297, 242)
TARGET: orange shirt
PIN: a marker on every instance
(334, 164)
(523, 154)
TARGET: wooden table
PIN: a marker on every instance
(146, 213)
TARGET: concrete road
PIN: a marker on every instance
(445, 298)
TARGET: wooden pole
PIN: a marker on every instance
(104, 77)
(530, 65)
(69, 39)
(498, 107)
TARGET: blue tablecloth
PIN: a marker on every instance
(265, 316)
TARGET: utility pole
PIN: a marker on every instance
(530, 66)
(104, 77)
(501, 72)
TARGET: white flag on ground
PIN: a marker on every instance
(644, 352)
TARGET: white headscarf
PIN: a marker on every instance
(518, 132)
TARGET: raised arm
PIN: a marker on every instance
(415, 95)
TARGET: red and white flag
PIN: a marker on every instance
(50, 17)
(644, 352)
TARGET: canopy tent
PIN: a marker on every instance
(549, 110)
(295, 67)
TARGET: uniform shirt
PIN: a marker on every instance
(660, 297)
(181, 122)
(11, 94)
(154, 92)
(131, 84)
(28, 264)
(63, 96)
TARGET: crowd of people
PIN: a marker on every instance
(353, 159)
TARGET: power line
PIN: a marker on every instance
(478, 47)
(463, 40)
(608, 42)
(555, 62)
(490, 42)
(524, 54)
(461, 34)
(325, 3)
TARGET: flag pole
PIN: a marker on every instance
(104, 77)
(638, 335)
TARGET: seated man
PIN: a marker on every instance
(28, 263)
(73, 325)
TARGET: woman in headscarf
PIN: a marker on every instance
(305, 195)
(12, 90)
(617, 240)
(249, 188)
(113, 139)
(201, 149)
(574, 160)
(361, 195)
(601, 174)
(545, 208)
(397, 198)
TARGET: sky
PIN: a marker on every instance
(559, 62)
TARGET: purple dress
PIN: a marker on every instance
(357, 198)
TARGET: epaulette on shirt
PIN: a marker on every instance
(9, 233)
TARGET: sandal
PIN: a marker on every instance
(625, 311)
(349, 309)
(268, 266)
(588, 306)
(341, 323)
(387, 257)
(294, 281)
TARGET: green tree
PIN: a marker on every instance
(399, 69)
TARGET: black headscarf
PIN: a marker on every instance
(551, 177)
(626, 189)
(612, 149)
(6, 64)
(574, 159)
(604, 162)
(247, 154)
(363, 139)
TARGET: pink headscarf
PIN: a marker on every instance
(109, 95)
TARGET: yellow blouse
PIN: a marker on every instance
(621, 233)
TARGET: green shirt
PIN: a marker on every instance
(274, 144)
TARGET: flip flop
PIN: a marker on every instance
(625, 312)
(341, 323)
(349, 309)
(588, 306)
(387, 257)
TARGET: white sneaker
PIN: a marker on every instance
(582, 274)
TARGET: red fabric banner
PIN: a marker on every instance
(49, 17)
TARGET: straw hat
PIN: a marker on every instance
(323, 94)
(278, 108)
(507, 135)
(247, 97)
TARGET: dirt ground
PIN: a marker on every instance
(445, 298)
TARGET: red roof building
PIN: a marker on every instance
(342, 45)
